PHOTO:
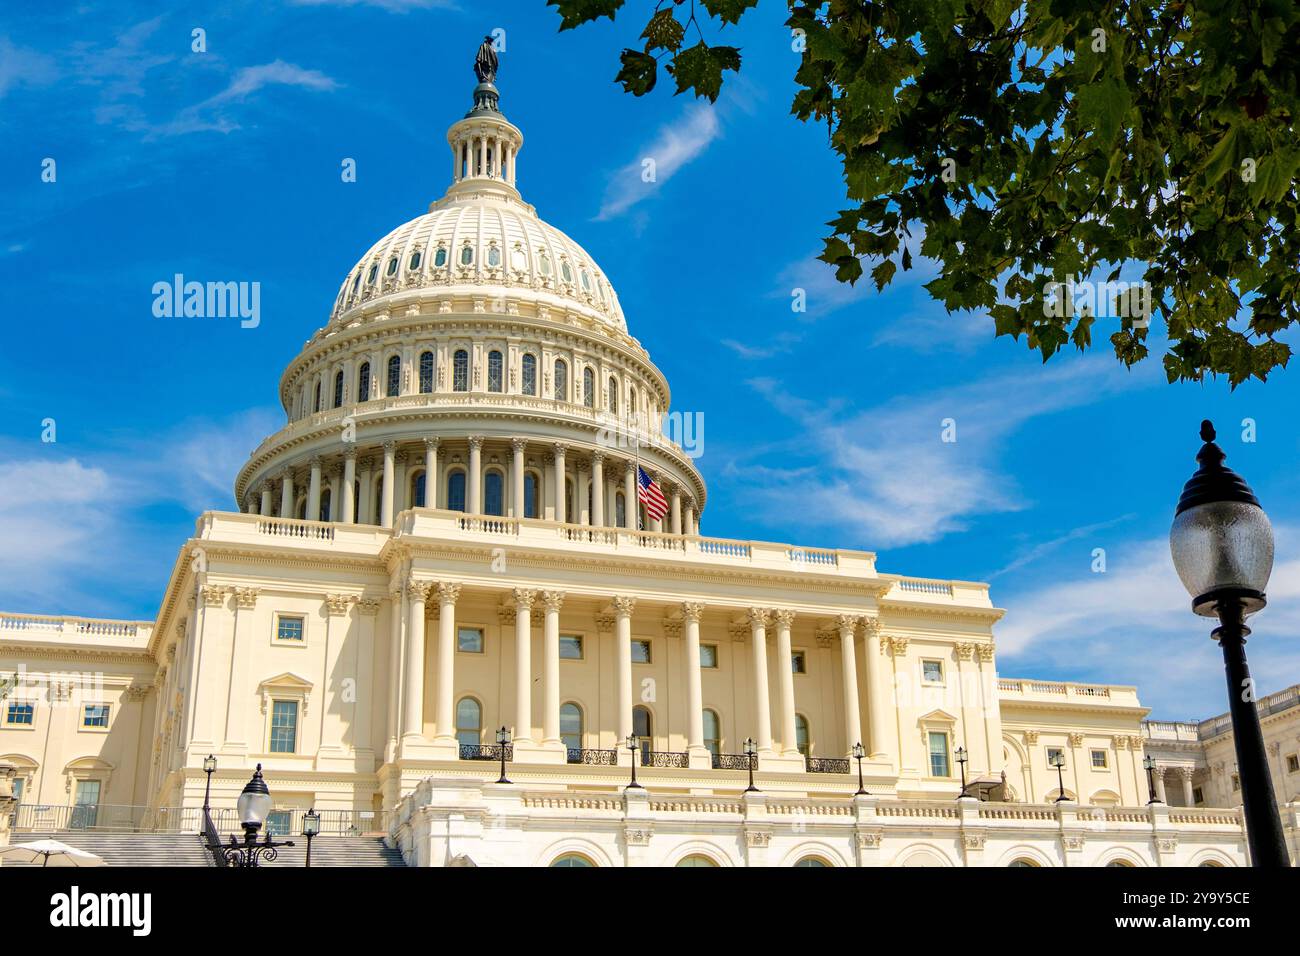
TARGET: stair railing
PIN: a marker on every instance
(213, 840)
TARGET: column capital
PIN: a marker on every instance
(314, 461)
(871, 626)
(964, 650)
(758, 617)
(246, 598)
(431, 444)
(519, 444)
(898, 645)
(847, 624)
(552, 600)
(986, 653)
(475, 442)
(692, 611)
(401, 457)
(624, 605)
(1076, 739)
(1187, 772)
(784, 617)
(558, 449)
(419, 590)
(448, 593)
(337, 605)
(524, 598)
(350, 454)
(213, 596)
(597, 457)
(367, 607)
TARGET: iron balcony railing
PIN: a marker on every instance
(665, 760)
(593, 758)
(485, 752)
(732, 762)
(827, 764)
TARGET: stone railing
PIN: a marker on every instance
(33, 625)
(1012, 688)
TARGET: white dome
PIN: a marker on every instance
(483, 240)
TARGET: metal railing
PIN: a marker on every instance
(665, 760)
(129, 819)
(593, 758)
(485, 752)
(827, 764)
(733, 762)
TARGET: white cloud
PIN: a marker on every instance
(23, 67)
(780, 344)
(886, 477)
(209, 115)
(674, 146)
(1047, 547)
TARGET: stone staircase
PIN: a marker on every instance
(188, 849)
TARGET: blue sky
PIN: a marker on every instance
(821, 428)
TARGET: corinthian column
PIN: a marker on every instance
(785, 672)
(559, 484)
(475, 474)
(431, 473)
(313, 490)
(386, 503)
(413, 696)
(349, 487)
(849, 665)
(694, 694)
(523, 664)
(762, 704)
(598, 489)
(286, 494)
(551, 600)
(517, 446)
(623, 638)
(877, 693)
(445, 721)
(265, 508)
(630, 509)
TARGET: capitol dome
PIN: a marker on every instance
(476, 359)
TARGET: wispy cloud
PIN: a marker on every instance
(673, 147)
(780, 344)
(211, 115)
(392, 6)
(23, 67)
(1042, 549)
(887, 477)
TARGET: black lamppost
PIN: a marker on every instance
(253, 807)
(858, 753)
(1222, 546)
(751, 752)
(209, 767)
(961, 762)
(1057, 760)
(310, 827)
(1150, 764)
(634, 750)
(503, 741)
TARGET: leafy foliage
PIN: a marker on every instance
(1019, 144)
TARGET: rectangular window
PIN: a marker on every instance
(1293, 763)
(640, 652)
(938, 754)
(708, 655)
(799, 662)
(1052, 753)
(932, 672)
(1100, 760)
(20, 712)
(284, 726)
(1236, 783)
(469, 640)
(85, 813)
(291, 628)
(19, 783)
(279, 822)
(95, 715)
(1198, 798)
(570, 647)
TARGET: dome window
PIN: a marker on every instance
(518, 261)
(392, 266)
(588, 388)
(356, 283)
(529, 374)
(613, 394)
(363, 382)
(394, 376)
(586, 281)
(494, 257)
(566, 271)
(495, 368)
(561, 380)
(440, 257)
(374, 271)
(544, 265)
(415, 261)
(426, 372)
(460, 371)
(467, 256)
(338, 389)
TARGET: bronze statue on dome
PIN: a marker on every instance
(485, 63)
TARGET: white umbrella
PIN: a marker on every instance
(50, 853)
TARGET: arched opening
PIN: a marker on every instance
(363, 382)
(588, 388)
(801, 734)
(529, 374)
(494, 497)
(572, 859)
(1022, 861)
(426, 372)
(530, 494)
(394, 376)
(469, 722)
(338, 388)
(620, 511)
(417, 491)
(613, 395)
(460, 371)
(561, 380)
(712, 732)
(326, 499)
(812, 861)
(696, 859)
(571, 730)
(456, 490)
(642, 730)
(495, 371)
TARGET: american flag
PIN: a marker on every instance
(650, 495)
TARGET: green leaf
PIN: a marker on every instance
(639, 72)
(574, 13)
(700, 68)
(1103, 106)
(663, 32)
(883, 273)
(729, 11)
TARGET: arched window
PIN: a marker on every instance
(316, 403)
(613, 394)
(586, 280)
(416, 258)
(417, 491)
(467, 256)
(572, 859)
(374, 271)
(1120, 863)
(392, 266)
(494, 256)
(529, 374)
(394, 375)
(1022, 862)
(325, 498)
(363, 382)
(356, 283)
(561, 380)
(440, 257)
(588, 388)
(566, 271)
(620, 511)
(338, 389)
(460, 371)
(812, 861)
(494, 371)
(801, 734)
(712, 732)
(494, 497)
(456, 491)
(544, 264)
(469, 722)
(426, 372)
(530, 494)
(377, 503)
(571, 729)
(696, 859)
(642, 727)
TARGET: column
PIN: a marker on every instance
(785, 670)
(598, 489)
(386, 503)
(762, 703)
(690, 516)
(523, 664)
(400, 484)
(552, 600)
(1189, 799)
(581, 514)
(623, 638)
(336, 472)
(559, 484)
(366, 507)
(849, 665)
(1160, 785)
(266, 498)
(286, 494)
(676, 514)
(445, 720)
(877, 695)
(475, 489)
(629, 497)
(694, 693)
(518, 446)
(313, 490)
(398, 610)
(349, 488)
(431, 473)
(417, 592)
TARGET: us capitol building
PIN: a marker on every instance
(446, 538)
